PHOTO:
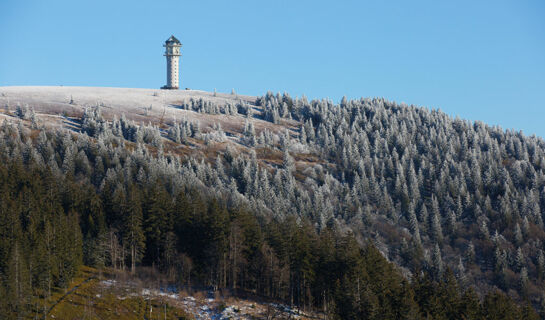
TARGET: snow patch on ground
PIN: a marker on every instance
(207, 305)
(108, 283)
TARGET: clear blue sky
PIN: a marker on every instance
(481, 60)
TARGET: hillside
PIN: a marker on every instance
(141, 105)
(435, 194)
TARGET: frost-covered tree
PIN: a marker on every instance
(520, 261)
(249, 134)
(437, 261)
(437, 230)
(518, 235)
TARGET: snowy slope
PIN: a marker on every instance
(125, 98)
(53, 101)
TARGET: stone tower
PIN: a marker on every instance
(172, 52)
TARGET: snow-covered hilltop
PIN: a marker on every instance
(155, 106)
(134, 103)
(126, 98)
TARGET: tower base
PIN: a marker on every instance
(169, 88)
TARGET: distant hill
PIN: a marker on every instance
(433, 193)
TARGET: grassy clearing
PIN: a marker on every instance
(89, 298)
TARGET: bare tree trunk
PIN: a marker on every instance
(112, 251)
(225, 269)
(133, 258)
(235, 265)
(324, 304)
(17, 285)
(271, 274)
(123, 255)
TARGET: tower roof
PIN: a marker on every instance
(172, 40)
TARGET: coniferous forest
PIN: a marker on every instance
(364, 209)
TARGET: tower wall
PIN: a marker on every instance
(173, 73)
